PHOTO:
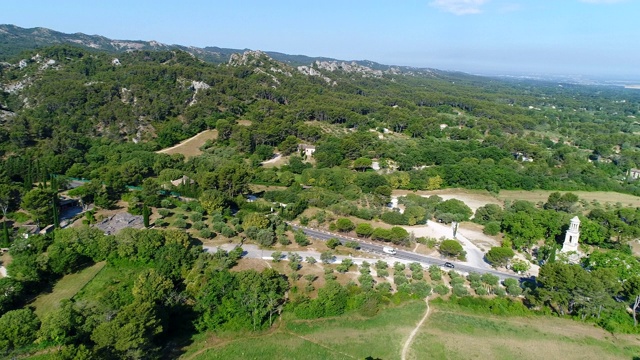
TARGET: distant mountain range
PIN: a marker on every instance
(14, 40)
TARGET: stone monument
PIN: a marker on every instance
(571, 238)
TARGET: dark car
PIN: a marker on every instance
(449, 265)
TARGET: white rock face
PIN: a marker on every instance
(309, 71)
(252, 57)
(22, 64)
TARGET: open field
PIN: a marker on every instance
(459, 335)
(473, 198)
(345, 337)
(191, 146)
(602, 197)
(448, 333)
(477, 198)
(66, 288)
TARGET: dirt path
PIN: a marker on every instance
(272, 160)
(407, 344)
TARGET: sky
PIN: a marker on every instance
(597, 38)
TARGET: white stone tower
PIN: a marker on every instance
(572, 236)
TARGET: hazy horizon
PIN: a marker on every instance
(572, 38)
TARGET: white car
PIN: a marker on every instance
(389, 250)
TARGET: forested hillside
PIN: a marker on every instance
(60, 102)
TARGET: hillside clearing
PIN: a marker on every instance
(191, 146)
(66, 288)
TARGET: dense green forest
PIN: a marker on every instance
(69, 112)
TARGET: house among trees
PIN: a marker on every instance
(182, 181)
(634, 174)
(308, 150)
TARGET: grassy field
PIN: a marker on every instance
(113, 284)
(191, 146)
(66, 288)
(448, 333)
(460, 335)
(346, 337)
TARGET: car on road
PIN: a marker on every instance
(389, 250)
(448, 265)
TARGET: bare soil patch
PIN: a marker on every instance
(602, 197)
(191, 146)
(244, 122)
(473, 198)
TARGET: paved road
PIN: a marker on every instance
(404, 255)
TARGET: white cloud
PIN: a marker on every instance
(459, 7)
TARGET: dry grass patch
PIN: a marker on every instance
(244, 122)
(191, 146)
(492, 337)
(602, 197)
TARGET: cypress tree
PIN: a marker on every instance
(5, 235)
(145, 215)
(56, 219)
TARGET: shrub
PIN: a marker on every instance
(417, 275)
(180, 224)
(277, 256)
(381, 265)
(301, 238)
(398, 266)
(205, 233)
(459, 290)
(166, 203)
(382, 273)
(266, 237)
(311, 260)
(499, 256)
(164, 212)
(333, 243)
(441, 289)
(283, 240)
(344, 225)
(435, 273)
(492, 228)
(228, 232)
(364, 230)
(520, 266)
(451, 248)
(474, 277)
(327, 257)
(196, 216)
(399, 279)
(199, 225)
(352, 245)
(490, 279)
